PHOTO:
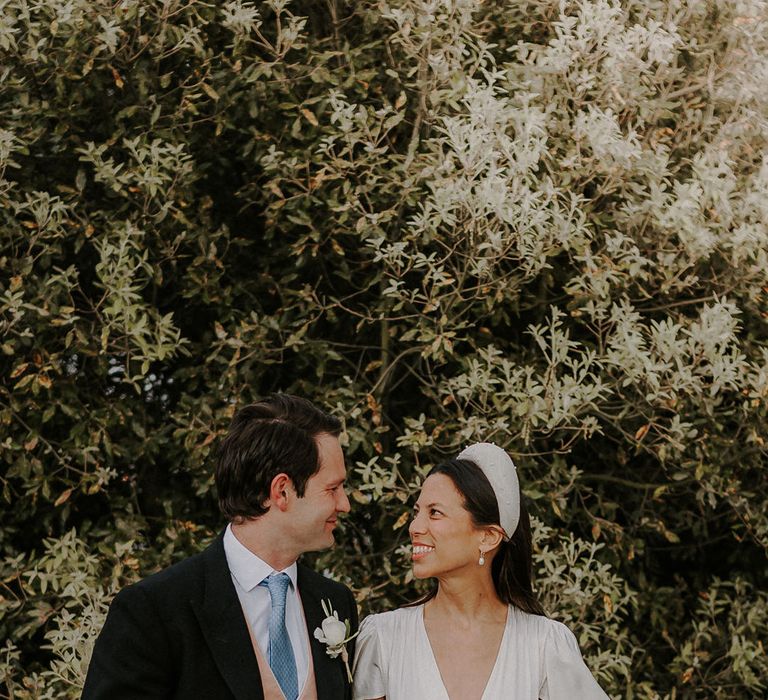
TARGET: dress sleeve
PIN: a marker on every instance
(369, 667)
(566, 675)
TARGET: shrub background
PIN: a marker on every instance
(540, 223)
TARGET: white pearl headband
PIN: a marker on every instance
(500, 470)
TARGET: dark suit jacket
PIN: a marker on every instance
(181, 634)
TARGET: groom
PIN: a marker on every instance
(237, 620)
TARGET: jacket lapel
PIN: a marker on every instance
(225, 629)
(329, 673)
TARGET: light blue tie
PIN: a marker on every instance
(281, 659)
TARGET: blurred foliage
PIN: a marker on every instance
(540, 223)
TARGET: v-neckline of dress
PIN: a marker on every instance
(436, 668)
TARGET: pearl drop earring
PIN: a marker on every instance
(481, 560)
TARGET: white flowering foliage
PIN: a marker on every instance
(123, 272)
(542, 223)
(241, 17)
(585, 256)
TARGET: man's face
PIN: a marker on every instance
(314, 516)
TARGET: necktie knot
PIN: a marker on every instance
(277, 584)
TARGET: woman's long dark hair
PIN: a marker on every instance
(512, 567)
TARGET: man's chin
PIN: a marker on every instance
(320, 546)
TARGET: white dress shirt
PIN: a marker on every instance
(248, 571)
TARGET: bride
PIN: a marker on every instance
(481, 634)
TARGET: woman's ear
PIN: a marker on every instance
(491, 538)
(279, 490)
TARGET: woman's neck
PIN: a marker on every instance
(467, 598)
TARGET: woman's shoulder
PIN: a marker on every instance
(391, 621)
(384, 633)
(564, 673)
(547, 630)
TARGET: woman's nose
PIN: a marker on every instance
(416, 525)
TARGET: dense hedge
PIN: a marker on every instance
(540, 223)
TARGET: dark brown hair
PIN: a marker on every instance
(273, 436)
(512, 567)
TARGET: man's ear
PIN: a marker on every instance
(280, 491)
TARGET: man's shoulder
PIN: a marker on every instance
(184, 578)
(317, 591)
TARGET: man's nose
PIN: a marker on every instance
(343, 505)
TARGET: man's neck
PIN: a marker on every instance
(258, 537)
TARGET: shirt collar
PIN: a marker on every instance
(248, 569)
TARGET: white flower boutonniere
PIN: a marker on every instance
(335, 634)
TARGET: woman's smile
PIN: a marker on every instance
(419, 551)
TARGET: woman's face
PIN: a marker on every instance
(442, 534)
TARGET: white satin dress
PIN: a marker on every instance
(538, 658)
